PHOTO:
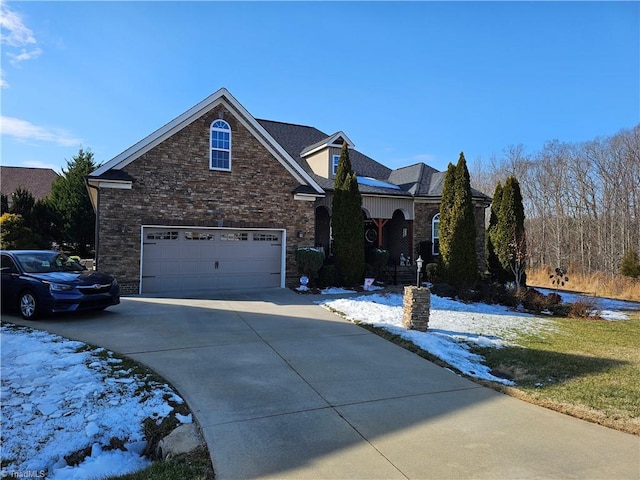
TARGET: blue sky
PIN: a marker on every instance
(406, 81)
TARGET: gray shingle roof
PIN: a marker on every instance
(297, 138)
(37, 181)
(415, 180)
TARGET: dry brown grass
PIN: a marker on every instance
(600, 284)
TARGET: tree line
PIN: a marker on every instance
(65, 217)
(581, 200)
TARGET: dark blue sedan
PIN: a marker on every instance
(39, 282)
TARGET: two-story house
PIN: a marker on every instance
(217, 199)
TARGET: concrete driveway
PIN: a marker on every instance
(283, 388)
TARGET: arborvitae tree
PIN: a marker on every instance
(347, 222)
(630, 264)
(494, 267)
(463, 263)
(510, 238)
(445, 228)
(71, 201)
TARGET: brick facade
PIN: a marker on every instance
(174, 186)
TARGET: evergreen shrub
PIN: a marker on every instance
(309, 261)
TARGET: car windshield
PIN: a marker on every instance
(45, 262)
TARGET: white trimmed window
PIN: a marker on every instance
(435, 234)
(220, 146)
(334, 164)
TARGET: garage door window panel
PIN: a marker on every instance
(234, 237)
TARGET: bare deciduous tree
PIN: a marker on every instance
(582, 201)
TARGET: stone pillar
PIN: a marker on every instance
(415, 309)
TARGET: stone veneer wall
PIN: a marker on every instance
(174, 186)
(416, 307)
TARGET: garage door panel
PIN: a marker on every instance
(179, 260)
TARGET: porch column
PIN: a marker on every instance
(379, 223)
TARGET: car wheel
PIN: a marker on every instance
(28, 304)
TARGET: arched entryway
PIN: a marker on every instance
(398, 238)
(323, 229)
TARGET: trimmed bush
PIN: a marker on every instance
(377, 259)
(444, 290)
(327, 276)
(309, 261)
(583, 309)
(431, 271)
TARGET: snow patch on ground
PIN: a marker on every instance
(607, 308)
(453, 326)
(59, 397)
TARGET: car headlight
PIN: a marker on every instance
(60, 287)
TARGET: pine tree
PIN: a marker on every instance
(510, 238)
(22, 202)
(70, 199)
(463, 264)
(37, 222)
(630, 264)
(347, 222)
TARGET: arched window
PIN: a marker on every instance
(435, 234)
(220, 146)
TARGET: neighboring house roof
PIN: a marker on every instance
(37, 181)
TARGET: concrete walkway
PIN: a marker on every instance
(283, 388)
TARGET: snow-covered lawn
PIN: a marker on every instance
(58, 397)
(453, 326)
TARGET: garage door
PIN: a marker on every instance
(179, 260)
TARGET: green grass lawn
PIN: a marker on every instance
(587, 368)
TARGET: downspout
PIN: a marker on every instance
(96, 207)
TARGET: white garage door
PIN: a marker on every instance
(179, 259)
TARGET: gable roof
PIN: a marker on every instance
(290, 144)
(225, 98)
(37, 181)
(418, 180)
(334, 140)
(299, 140)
